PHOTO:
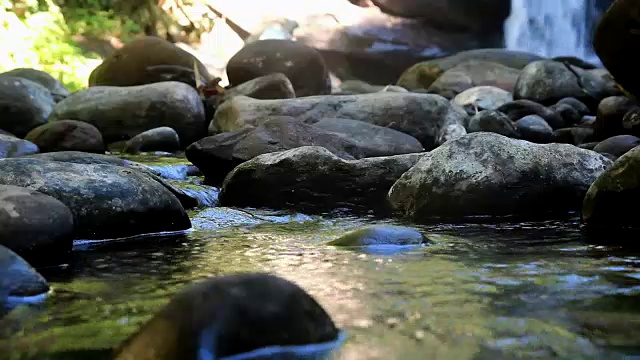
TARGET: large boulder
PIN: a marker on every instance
(474, 73)
(147, 60)
(56, 88)
(313, 179)
(67, 135)
(121, 113)
(486, 174)
(617, 43)
(18, 279)
(302, 64)
(210, 320)
(429, 118)
(547, 81)
(452, 15)
(423, 74)
(106, 201)
(36, 226)
(611, 202)
(217, 155)
(24, 105)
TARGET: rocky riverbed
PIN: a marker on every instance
(477, 206)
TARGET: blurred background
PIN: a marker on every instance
(369, 40)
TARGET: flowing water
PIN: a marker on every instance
(527, 290)
(554, 27)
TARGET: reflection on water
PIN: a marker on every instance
(480, 292)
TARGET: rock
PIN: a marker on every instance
(6, 133)
(37, 227)
(533, 128)
(300, 63)
(217, 155)
(56, 88)
(24, 105)
(381, 235)
(474, 73)
(573, 135)
(210, 318)
(610, 85)
(486, 174)
(313, 179)
(159, 139)
(272, 86)
(373, 140)
(547, 81)
(482, 98)
(518, 109)
(631, 121)
(67, 135)
(11, 146)
(423, 74)
(615, 41)
(610, 203)
(452, 15)
(493, 121)
(589, 145)
(17, 278)
(133, 65)
(576, 104)
(120, 113)
(617, 145)
(76, 157)
(354, 87)
(106, 201)
(569, 114)
(572, 60)
(611, 112)
(588, 121)
(429, 118)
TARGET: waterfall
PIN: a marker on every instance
(553, 27)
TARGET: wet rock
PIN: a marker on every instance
(576, 104)
(3, 132)
(631, 121)
(490, 174)
(617, 145)
(588, 121)
(373, 140)
(217, 155)
(569, 114)
(121, 113)
(429, 118)
(589, 145)
(472, 74)
(381, 235)
(56, 88)
(37, 227)
(615, 41)
(11, 146)
(224, 218)
(311, 178)
(159, 139)
(18, 278)
(611, 87)
(24, 105)
(106, 201)
(132, 65)
(611, 112)
(547, 81)
(272, 86)
(210, 317)
(573, 135)
(423, 74)
(67, 135)
(354, 87)
(610, 203)
(493, 121)
(533, 128)
(572, 60)
(300, 63)
(482, 98)
(518, 109)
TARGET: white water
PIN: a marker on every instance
(551, 28)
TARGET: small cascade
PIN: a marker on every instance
(554, 27)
